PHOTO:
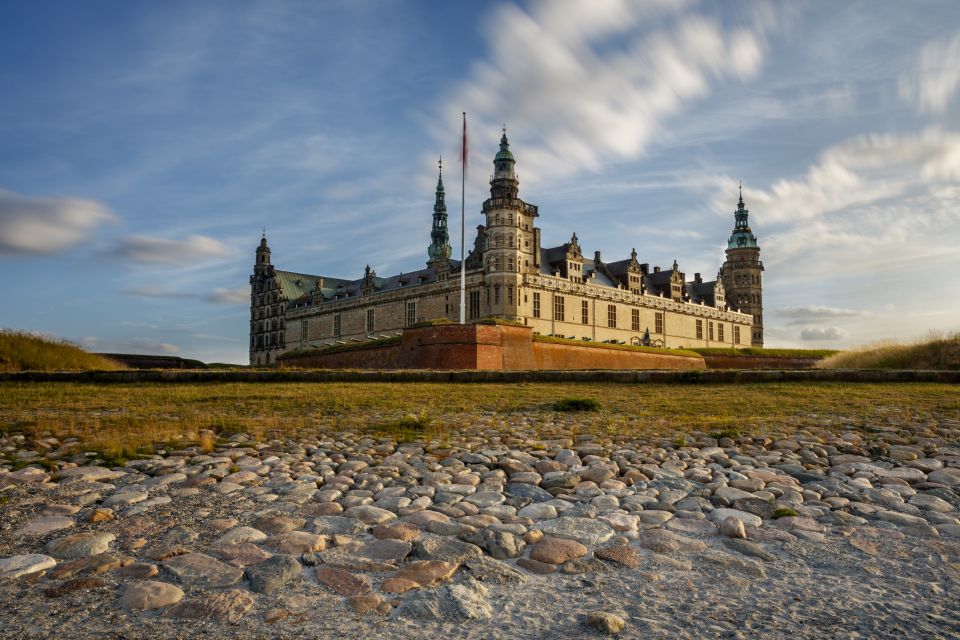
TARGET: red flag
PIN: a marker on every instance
(464, 157)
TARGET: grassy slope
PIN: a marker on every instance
(22, 352)
(941, 352)
(122, 418)
(769, 353)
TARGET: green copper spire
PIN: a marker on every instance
(742, 237)
(504, 153)
(439, 248)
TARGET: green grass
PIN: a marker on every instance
(783, 512)
(577, 404)
(769, 353)
(21, 351)
(934, 352)
(621, 347)
(129, 419)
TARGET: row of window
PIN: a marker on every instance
(271, 341)
(720, 331)
(559, 313)
(411, 319)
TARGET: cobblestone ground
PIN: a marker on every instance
(830, 533)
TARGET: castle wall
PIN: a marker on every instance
(487, 348)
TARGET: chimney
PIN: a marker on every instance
(656, 269)
(596, 257)
(696, 278)
(645, 268)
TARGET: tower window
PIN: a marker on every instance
(304, 336)
(336, 325)
(699, 329)
(370, 320)
(411, 312)
(612, 316)
(558, 308)
(709, 331)
(720, 331)
(736, 335)
(536, 304)
(658, 322)
(496, 294)
(584, 312)
(510, 294)
(635, 319)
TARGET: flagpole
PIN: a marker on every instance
(463, 223)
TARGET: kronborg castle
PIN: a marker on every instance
(557, 291)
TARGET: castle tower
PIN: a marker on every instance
(264, 325)
(742, 272)
(510, 237)
(439, 251)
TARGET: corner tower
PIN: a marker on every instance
(439, 251)
(264, 322)
(742, 272)
(511, 247)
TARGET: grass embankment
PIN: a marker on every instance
(123, 421)
(303, 352)
(936, 352)
(768, 353)
(21, 351)
(618, 347)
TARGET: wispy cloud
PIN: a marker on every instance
(935, 77)
(815, 313)
(236, 295)
(231, 296)
(824, 334)
(150, 249)
(44, 226)
(602, 77)
(153, 292)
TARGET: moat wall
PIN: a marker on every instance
(758, 362)
(486, 347)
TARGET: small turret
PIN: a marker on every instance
(262, 264)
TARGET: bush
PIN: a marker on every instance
(936, 351)
(729, 432)
(409, 428)
(576, 404)
(20, 351)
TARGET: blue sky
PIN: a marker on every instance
(144, 146)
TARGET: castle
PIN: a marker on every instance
(555, 290)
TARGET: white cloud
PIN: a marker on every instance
(43, 226)
(811, 313)
(232, 296)
(237, 295)
(823, 334)
(935, 77)
(133, 345)
(600, 79)
(154, 292)
(149, 249)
